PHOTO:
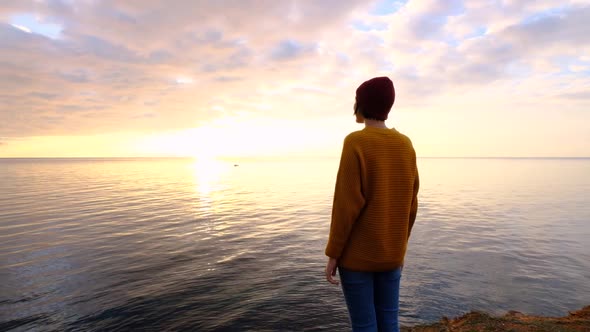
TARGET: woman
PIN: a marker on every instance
(375, 205)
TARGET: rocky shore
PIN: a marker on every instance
(513, 321)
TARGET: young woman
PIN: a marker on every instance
(375, 205)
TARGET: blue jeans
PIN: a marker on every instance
(372, 299)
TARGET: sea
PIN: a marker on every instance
(238, 245)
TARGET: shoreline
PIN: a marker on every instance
(512, 321)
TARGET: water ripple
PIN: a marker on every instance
(157, 245)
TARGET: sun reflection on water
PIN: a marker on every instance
(208, 174)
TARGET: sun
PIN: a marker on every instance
(236, 137)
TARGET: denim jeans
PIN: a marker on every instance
(372, 299)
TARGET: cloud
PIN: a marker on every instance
(290, 49)
(45, 96)
(116, 66)
(585, 95)
(474, 44)
(568, 28)
(75, 76)
(429, 17)
(127, 54)
(103, 49)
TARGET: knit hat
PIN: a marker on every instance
(375, 98)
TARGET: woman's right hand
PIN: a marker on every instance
(331, 267)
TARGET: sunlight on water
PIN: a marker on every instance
(208, 173)
(172, 243)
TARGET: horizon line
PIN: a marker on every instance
(302, 156)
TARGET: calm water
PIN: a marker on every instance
(170, 244)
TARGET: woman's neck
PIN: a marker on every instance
(375, 123)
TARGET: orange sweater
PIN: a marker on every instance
(375, 200)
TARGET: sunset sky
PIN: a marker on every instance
(92, 78)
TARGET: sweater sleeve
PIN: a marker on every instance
(348, 200)
(414, 208)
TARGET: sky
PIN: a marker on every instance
(240, 78)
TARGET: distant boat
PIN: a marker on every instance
(236, 165)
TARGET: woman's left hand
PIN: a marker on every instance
(331, 270)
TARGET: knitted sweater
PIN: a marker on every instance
(375, 200)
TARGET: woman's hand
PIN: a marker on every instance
(331, 270)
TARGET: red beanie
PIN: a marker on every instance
(375, 98)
